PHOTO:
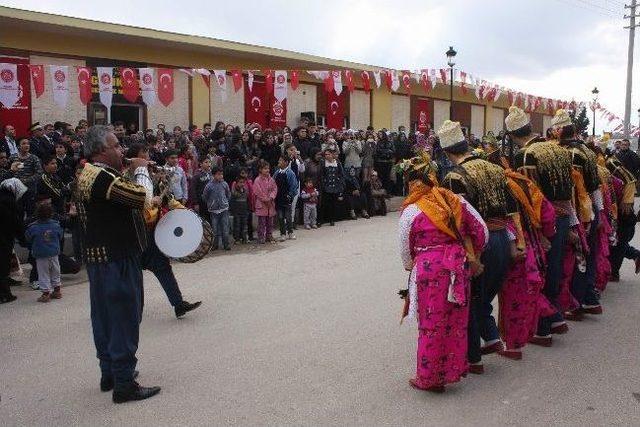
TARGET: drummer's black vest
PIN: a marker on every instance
(112, 230)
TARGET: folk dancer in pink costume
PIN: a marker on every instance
(441, 238)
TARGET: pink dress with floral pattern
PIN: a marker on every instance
(439, 290)
(521, 299)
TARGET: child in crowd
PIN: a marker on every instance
(178, 178)
(216, 195)
(239, 207)
(244, 173)
(309, 198)
(216, 160)
(333, 184)
(265, 191)
(287, 188)
(45, 235)
(198, 183)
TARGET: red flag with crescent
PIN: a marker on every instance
(406, 81)
(348, 74)
(268, 80)
(129, 82)
(37, 77)
(425, 81)
(84, 84)
(295, 79)
(388, 78)
(328, 82)
(165, 86)
(335, 110)
(366, 81)
(443, 75)
(236, 76)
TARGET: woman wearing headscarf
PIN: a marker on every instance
(441, 238)
(11, 190)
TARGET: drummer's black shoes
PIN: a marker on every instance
(133, 391)
(184, 307)
(106, 383)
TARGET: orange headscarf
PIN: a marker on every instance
(440, 205)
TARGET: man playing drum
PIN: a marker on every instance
(152, 259)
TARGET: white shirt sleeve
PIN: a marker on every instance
(141, 176)
(404, 232)
(596, 196)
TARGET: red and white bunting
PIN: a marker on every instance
(295, 79)
(280, 85)
(425, 80)
(188, 71)
(60, 84)
(366, 81)
(84, 84)
(9, 86)
(165, 86)
(105, 85)
(377, 78)
(395, 80)
(250, 80)
(221, 80)
(348, 76)
(337, 81)
(206, 75)
(463, 82)
(406, 81)
(129, 82)
(37, 78)
(147, 85)
(236, 77)
(444, 76)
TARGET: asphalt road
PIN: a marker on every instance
(306, 333)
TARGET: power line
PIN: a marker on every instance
(597, 6)
(583, 6)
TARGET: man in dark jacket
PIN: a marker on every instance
(629, 159)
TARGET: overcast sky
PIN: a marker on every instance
(550, 48)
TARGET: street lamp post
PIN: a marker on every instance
(451, 56)
(595, 93)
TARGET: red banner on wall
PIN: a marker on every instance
(19, 116)
(256, 105)
(278, 114)
(335, 110)
(422, 115)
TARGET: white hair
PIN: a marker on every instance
(96, 139)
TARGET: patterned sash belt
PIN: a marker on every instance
(496, 224)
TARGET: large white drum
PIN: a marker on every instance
(181, 234)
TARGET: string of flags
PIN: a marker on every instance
(157, 84)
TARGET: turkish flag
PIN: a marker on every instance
(37, 76)
(335, 110)
(295, 79)
(236, 75)
(84, 84)
(406, 81)
(348, 74)
(328, 82)
(388, 78)
(463, 78)
(443, 75)
(165, 86)
(510, 97)
(268, 80)
(425, 81)
(422, 112)
(129, 82)
(366, 82)
(256, 104)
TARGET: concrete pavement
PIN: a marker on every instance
(306, 333)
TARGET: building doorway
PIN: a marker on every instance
(126, 113)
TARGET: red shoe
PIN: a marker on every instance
(496, 347)
(56, 294)
(592, 309)
(574, 315)
(476, 369)
(560, 329)
(433, 389)
(541, 341)
(511, 354)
